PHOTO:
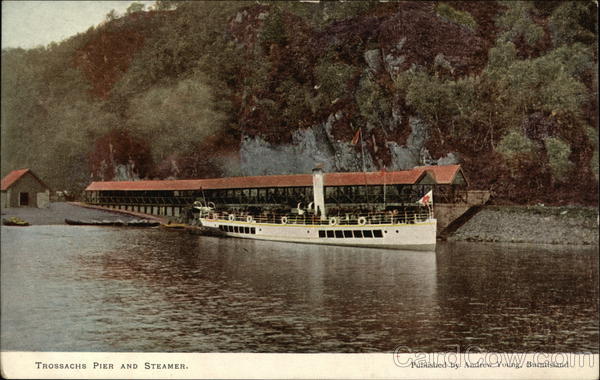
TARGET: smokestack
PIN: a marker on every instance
(319, 192)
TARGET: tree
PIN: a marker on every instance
(135, 7)
(112, 15)
(175, 118)
(517, 22)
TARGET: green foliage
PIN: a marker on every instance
(515, 144)
(565, 23)
(558, 153)
(324, 12)
(448, 13)
(296, 101)
(516, 22)
(451, 107)
(48, 119)
(500, 57)
(427, 95)
(111, 15)
(173, 119)
(563, 95)
(549, 83)
(336, 10)
(593, 140)
(333, 78)
(273, 31)
(135, 7)
(373, 100)
(167, 5)
(191, 39)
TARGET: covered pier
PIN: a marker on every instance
(374, 190)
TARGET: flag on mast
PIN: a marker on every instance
(356, 137)
(427, 199)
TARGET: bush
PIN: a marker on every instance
(514, 144)
(516, 21)
(448, 13)
(273, 31)
(558, 153)
(565, 25)
(373, 101)
(593, 138)
(175, 118)
(333, 78)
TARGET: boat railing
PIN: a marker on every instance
(311, 219)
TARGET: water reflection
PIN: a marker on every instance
(520, 298)
(154, 290)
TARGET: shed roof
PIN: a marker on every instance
(441, 174)
(444, 174)
(12, 177)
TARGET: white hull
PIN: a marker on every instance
(415, 236)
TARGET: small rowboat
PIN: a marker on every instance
(14, 221)
(132, 223)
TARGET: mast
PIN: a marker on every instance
(364, 169)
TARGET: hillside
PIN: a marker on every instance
(205, 89)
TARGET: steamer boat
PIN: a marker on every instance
(410, 228)
(367, 209)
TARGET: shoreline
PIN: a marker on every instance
(566, 225)
(57, 212)
(570, 225)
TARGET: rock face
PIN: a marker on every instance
(373, 59)
(411, 154)
(317, 145)
(309, 147)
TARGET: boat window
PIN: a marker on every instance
(347, 234)
(236, 229)
(252, 230)
(321, 233)
(339, 234)
(377, 233)
(246, 230)
(329, 234)
(358, 234)
(368, 233)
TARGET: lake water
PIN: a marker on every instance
(67, 288)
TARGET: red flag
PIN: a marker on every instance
(427, 199)
(356, 137)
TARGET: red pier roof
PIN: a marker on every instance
(441, 175)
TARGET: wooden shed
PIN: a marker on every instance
(22, 188)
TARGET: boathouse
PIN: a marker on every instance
(379, 189)
(22, 188)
